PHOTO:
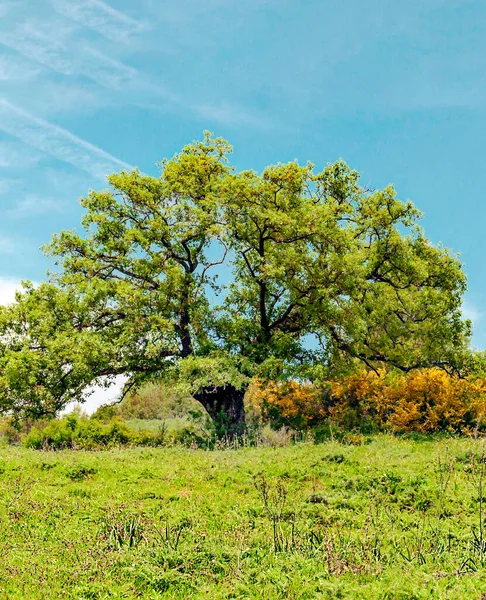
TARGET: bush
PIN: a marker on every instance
(424, 401)
(88, 434)
(83, 433)
(189, 434)
(9, 432)
(284, 404)
(57, 434)
(93, 434)
(151, 401)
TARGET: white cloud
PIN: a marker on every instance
(100, 395)
(90, 78)
(106, 71)
(56, 141)
(102, 18)
(31, 41)
(5, 7)
(471, 312)
(8, 288)
(55, 97)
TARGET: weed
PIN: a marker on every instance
(79, 472)
(123, 532)
(170, 536)
(274, 497)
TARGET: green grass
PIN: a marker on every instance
(390, 519)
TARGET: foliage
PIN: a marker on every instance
(318, 255)
(427, 400)
(324, 272)
(152, 401)
(395, 518)
(71, 432)
(9, 432)
(290, 404)
(84, 434)
(44, 362)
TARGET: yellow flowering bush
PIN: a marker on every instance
(426, 400)
(290, 403)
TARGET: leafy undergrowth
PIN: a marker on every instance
(82, 433)
(394, 519)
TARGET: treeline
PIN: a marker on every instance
(425, 401)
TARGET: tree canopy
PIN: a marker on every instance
(208, 276)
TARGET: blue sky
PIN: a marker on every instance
(398, 89)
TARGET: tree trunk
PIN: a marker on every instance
(224, 405)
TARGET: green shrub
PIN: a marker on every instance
(189, 434)
(151, 401)
(93, 434)
(73, 431)
(9, 432)
(57, 434)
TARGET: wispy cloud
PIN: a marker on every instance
(63, 96)
(5, 7)
(15, 68)
(228, 114)
(30, 40)
(106, 71)
(75, 59)
(17, 156)
(68, 57)
(33, 205)
(56, 141)
(6, 245)
(102, 18)
(5, 185)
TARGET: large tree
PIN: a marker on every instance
(315, 271)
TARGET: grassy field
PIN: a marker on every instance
(390, 519)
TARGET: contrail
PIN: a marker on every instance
(101, 17)
(56, 141)
(38, 46)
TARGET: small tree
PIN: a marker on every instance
(324, 271)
